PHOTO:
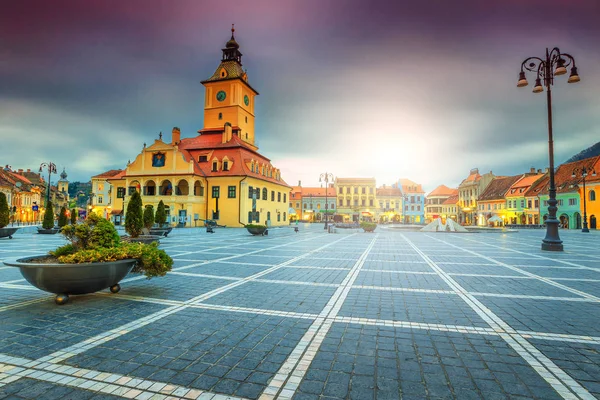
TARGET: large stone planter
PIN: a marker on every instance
(7, 232)
(257, 231)
(160, 231)
(67, 279)
(51, 231)
(145, 239)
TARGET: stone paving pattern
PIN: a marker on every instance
(311, 315)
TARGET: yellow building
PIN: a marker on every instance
(355, 199)
(218, 174)
(435, 200)
(389, 204)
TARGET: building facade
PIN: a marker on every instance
(435, 200)
(468, 193)
(414, 201)
(491, 204)
(218, 174)
(519, 208)
(450, 208)
(389, 204)
(355, 199)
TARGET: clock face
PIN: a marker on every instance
(246, 100)
(221, 95)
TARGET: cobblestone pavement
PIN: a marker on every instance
(312, 315)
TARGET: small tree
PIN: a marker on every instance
(4, 210)
(149, 216)
(62, 217)
(134, 219)
(48, 222)
(73, 216)
(161, 216)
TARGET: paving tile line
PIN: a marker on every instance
(135, 278)
(28, 302)
(527, 273)
(73, 350)
(558, 260)
(562, 337)
(564, 385)
(15, 368)
(526, 241)
(287, 379)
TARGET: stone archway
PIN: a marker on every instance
(564, 221)
(166, 188)
(577, 218)
(183, 188)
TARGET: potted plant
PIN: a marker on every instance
(134, 222)
(73, 216)
(62, 217)
(160, 218)
(48, 222)
(256, 229)
(4, 217)
(368, 226)
(95, 259)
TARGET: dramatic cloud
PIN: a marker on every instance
(357, 88)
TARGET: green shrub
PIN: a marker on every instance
(133, 219)
(368, 226)
(97, 240)
(73, 216)
(48, 222)
(161, 216)
(149, 216)
(255, 226)
(4, 210)
(62, 217)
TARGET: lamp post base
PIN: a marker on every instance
(586, 230)
(552, 246)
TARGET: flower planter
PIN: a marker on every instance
(50, 231)
(160, 231)
(68, 279)
(257, 231)
(7, 232)
(145, 239)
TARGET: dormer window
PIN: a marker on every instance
(220, 115)
(214, 166)
(202, 158)
(225, 166)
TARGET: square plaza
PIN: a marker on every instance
(310, 315)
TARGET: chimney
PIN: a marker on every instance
(28, 170)
(532, 170)
(227, 133)
(20, 170)
(539, 171)
(175, 136)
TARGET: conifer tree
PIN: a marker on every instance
(48, 222)
(134, 218)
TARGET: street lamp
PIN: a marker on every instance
(554, 64)
(584, 172)
(51, 167)
(326, 177)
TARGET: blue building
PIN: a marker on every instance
(413, 201)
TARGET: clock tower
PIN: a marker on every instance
(229, 97)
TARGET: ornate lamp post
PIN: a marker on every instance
(326, 177)
(553, 64)
(51, 167)
(584, 173)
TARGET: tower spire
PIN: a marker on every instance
(231, 51)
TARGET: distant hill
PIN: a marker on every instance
(587, 153)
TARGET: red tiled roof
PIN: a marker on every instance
(389, 191)
(108, 174)
(443, 190)
(563, 179)
(407, 183)
(498, 187)
(318, 192)
(451, 200)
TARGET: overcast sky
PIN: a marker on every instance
(423, 90)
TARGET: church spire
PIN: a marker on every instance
(231, 51)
